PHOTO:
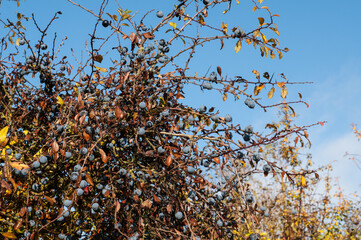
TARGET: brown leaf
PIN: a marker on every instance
(193, 222)
(156, 199)
(117, 206)
(169, 208)
(50, 200)
(147, 204)
(148, 35)
(55, 146)
(103, 155)
(219, 70)
(132, 37)
(86, 136)
(92, 114)
(169, 160)
(82, 119)
(6, 185)
(18, 224)
(22, 212)
(89, 179)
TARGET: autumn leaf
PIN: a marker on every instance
(280, 84)
(284, 92)
(303, 181)
(271, 92)
(59, 101)
(101, 69)
(19, 165)
(224, 26)
(238, 46)
(3, 133)
(168, 161)
(103, 155)
(9, 235)
(173, 25)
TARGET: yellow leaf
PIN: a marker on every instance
(284, 92)
(19, 165)
(224, 26)
(273, 55)
(17, 42)
(60, 101)
(238, 46)
(263, 37)
(101, 69)
(271, 92)
(237, 1)
(9, 235)
(3, 133)
(38, 153)
(303, 181)
(257, 89)
(173, 25)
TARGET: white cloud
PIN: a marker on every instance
(333, 151)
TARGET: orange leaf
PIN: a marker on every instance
(50, 200)
(156, 199)
(9, 235)
(55, 146)
(217, 160)
(89, 179)
(103, 155)
(280, 84)
(168, 161)
(19, 165)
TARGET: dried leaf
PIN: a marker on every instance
(219, 70)
(101, 69)
(238, 46)
(156, 199)
(9, 235)
(55, 146)
(103, 155)
(284, 92)
(280, 84)
(271, 92)
(18, 224)
(169, 160)
(217, 160)
(148, 35)
(19, 165)
(52, 201)
(147, 204)
(117, 206)
(89, 179)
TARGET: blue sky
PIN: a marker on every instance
(323, 38)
